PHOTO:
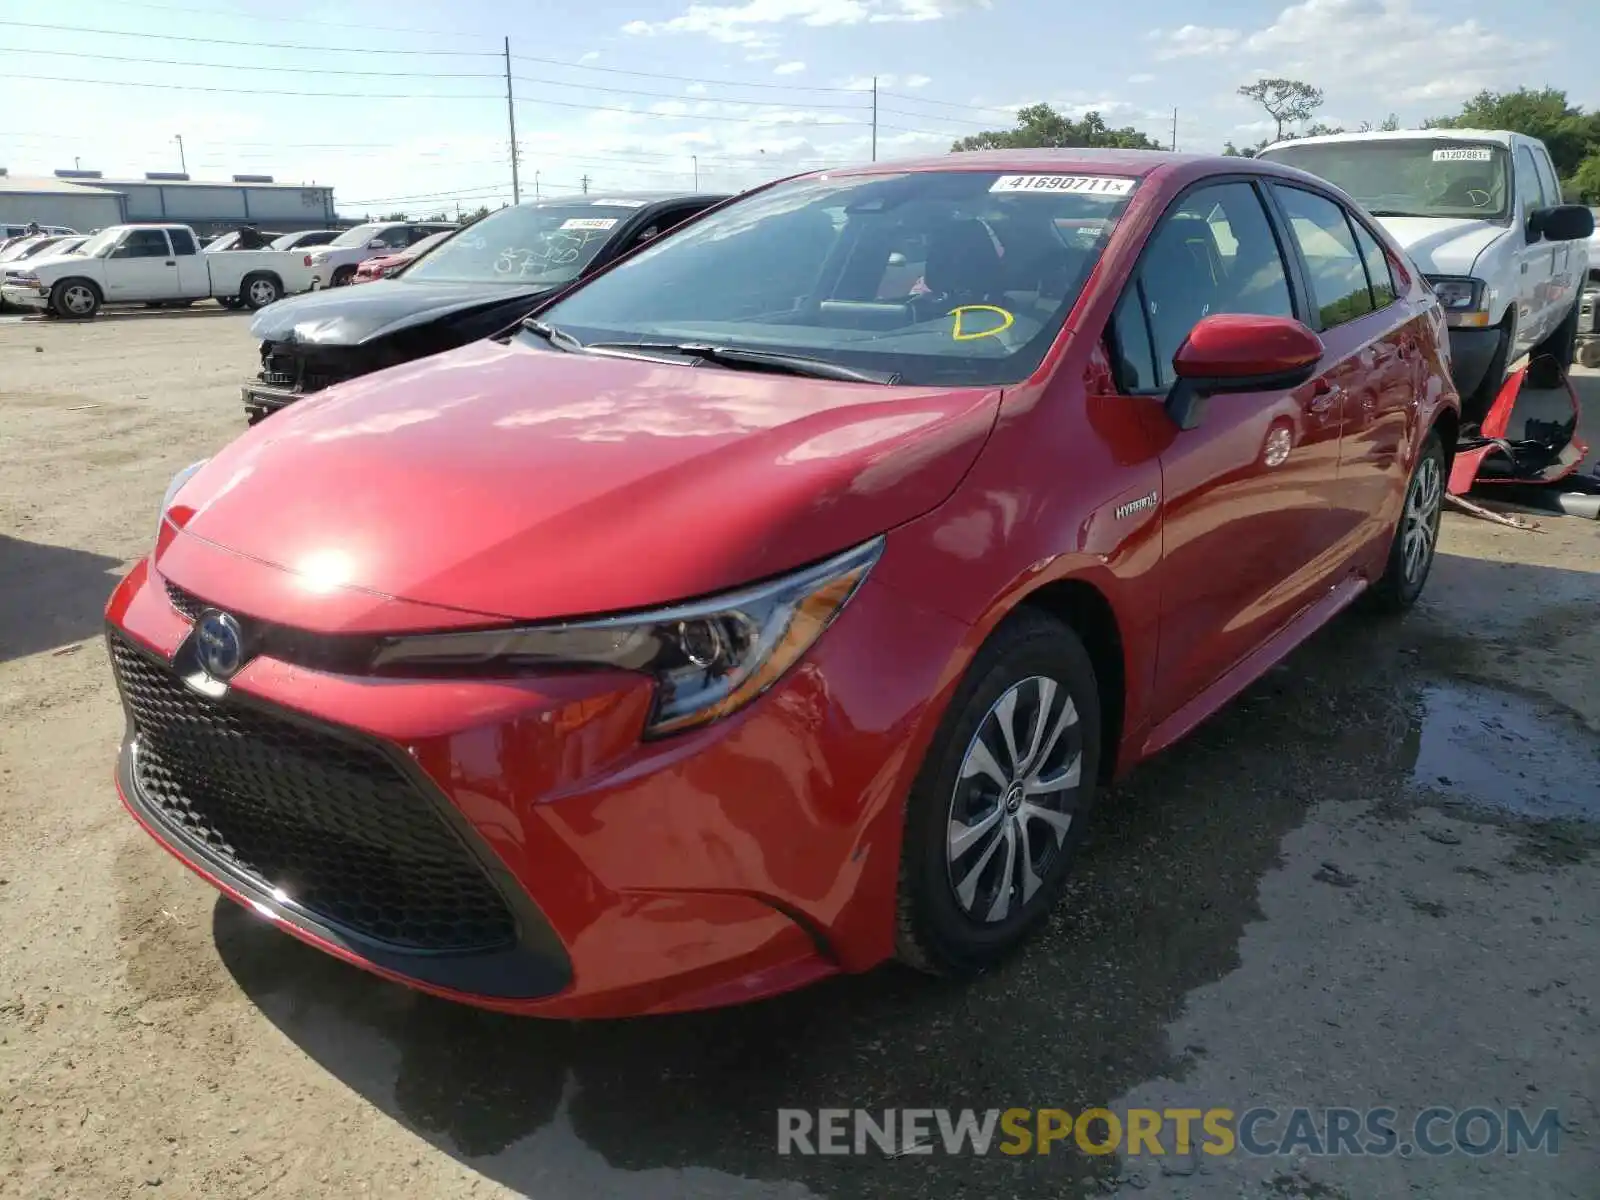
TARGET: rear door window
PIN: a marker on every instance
(1338, 276)
(182, 241)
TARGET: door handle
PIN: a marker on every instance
(1324, 396)
(171, 263)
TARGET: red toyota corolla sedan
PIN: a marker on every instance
(775, 603)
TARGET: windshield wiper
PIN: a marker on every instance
(734, 356)
(559, 338)
(1394, 212)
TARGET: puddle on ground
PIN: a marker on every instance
(1495, 749)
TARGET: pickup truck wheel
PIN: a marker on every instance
(258, 291)
(75, 298)
(1550, 359)
(342, 277)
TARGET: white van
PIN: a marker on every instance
(1480, 213)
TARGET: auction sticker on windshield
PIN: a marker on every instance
(1463, 154)
(618, 203)
(589, 223)
(1104, 185)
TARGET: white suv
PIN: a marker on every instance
(1480, 213)
(334, 265)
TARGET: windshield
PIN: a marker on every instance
(1422, 177)
(359, 236)
(100, 242)
(528, 243)
(939, 277)
(18, 248)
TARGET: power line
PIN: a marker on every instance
(230, 15)
(180, 37)
(787, 87)
(178, 62)
(645, 112)
(950, 104)
(900, 112)
(594, 87)
(250, 91)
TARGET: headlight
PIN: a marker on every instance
(173, 488)
(708, 659)
(1456, 293)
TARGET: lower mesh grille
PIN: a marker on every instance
(333, 824)
(188, 607)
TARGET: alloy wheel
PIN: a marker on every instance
(78, 299)
(262, 292)
(1014, 800)
(1421, 519)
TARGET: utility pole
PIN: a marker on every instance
(1174, 129)
(536, 185)
(695, 158)
(182, 162)
(585, 185)
(874, 118)
(511, 120)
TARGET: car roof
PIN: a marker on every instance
(627, 197)
(1137, 163)
(1500, 137)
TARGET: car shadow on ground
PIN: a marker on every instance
(50, 595)
(1162, 894)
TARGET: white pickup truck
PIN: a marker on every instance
(1480, 212)
(155, 265)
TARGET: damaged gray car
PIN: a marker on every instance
(477, 282)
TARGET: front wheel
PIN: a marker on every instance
(76, 298)
(342, 277)
(1550, 359)
(998, 808)
(1416, 536)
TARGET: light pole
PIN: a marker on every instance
(536, 185)
(695, 158)
(182, 162)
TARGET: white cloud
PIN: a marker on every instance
(589, 57)
(696, 89)
(742, 24)
(863, 83)
(1140, 78)
(917, 81)
(1193, 41)
(789, 68)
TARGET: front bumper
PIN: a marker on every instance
(26, 296)
(261, 402)
(1471, 353)
(732, 862)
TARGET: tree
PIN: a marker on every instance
(1039, 125)
(476, 214)
(1584, 186)
(1390, 123)
(1566, 130)
(395, 216)
(1286, 100)
(441, 215)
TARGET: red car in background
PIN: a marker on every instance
(385, 265)
(736, 621)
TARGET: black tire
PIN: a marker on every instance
(231, 303)
(1401, 583)
(342, 277)
(1551, 359)
(77, 299)
(940, 930)
(1476, 406)
(258, 291)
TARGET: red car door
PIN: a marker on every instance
(1250, 494)
(1372, 335)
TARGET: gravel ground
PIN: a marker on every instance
(1372, 881)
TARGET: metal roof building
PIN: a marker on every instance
(59, 202)
(87, 200)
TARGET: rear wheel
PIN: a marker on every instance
(1416, 536)
(1550, 359)
(998, 808)
(75, 298)
(258, 291)
(343, 276)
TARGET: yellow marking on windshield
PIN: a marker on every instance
(959, 335)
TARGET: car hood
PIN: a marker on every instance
(1444, 245)
(350, 316)
(41, 261)
(521, 482)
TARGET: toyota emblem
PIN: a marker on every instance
(219, 644)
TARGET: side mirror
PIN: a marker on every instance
(1239, 352)
(119, 252)
(377, 244)
(1561, 223)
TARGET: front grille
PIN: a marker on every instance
(334, 824)
(282, 366)
(188, 607)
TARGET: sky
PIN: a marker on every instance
(401, 105)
